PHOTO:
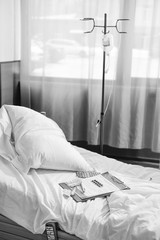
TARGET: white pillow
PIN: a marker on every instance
(6, 149)
(5, 124)
(24, 119)
(40, 143)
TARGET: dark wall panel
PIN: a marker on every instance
(10, 83)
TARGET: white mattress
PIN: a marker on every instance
(34, 199)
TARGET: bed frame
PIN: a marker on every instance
(9, 230)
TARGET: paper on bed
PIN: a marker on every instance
(96, 186)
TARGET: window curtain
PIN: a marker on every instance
(133, 121)
(61, 69)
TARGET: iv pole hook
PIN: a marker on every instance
(89, 19)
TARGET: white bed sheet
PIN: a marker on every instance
(34, 199)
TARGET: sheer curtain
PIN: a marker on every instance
(62, 69)
(134, 120)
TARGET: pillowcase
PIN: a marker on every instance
(5, 124)
(24, 119)
(40, 143)
(41, 149)
(6, 149)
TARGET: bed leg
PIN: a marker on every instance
(51, 231)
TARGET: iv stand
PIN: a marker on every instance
(103, 88)
(105, 26)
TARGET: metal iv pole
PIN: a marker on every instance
(104, 26)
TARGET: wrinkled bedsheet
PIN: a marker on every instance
(33, 199)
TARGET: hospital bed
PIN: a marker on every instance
(35, 157)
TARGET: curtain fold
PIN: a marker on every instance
(62, 69)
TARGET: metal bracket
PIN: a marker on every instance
(102, 26)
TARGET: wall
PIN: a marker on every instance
(10, 51)
(10, 30)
